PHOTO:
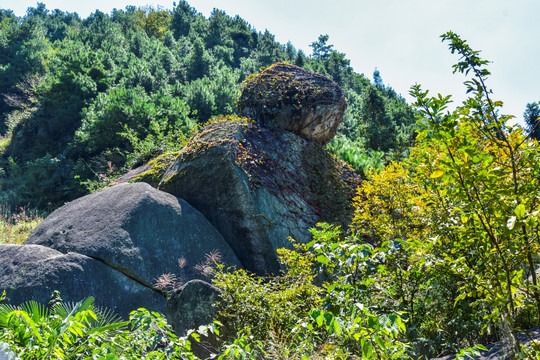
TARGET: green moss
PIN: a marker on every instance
(157, 168)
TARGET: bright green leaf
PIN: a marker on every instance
(520, 211)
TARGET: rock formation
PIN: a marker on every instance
(192, 305)
(241, 186)
(33, 272)
(258, 186)
(267, 176)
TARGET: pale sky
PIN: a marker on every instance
(399, 37)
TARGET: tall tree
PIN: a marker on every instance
(321, 50)
(482, 179)
(377, 79)
(532, 119)
(199, 61)
(182, 18)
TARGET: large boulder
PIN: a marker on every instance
(33, 272)
(289, 97)
(135, 229)
(259, 185)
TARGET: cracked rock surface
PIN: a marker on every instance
(33, 272)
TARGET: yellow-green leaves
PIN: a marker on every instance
(490, 172)
(436, 174)
(520, 211)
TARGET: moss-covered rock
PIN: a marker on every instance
(151, 172)
(289, 97)
(258, 186)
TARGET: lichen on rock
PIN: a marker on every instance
(289, 97)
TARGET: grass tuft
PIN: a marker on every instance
(15, 226)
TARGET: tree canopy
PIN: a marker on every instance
(81, 96)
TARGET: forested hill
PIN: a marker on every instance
(86, 99)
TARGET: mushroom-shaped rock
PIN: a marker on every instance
(33, 272)
(294, 99)
(134, 228)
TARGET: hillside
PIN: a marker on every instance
(88, 99)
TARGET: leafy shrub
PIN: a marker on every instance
(81, 330)
(35, 331)
(289, 316)
(143, 119)
(361, 159)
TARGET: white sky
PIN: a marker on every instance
(399, 37)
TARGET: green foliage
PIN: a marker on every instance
(15, 226)
(134, 111)
(183, 17)
(266, 310)
(480, 179)
(531, 117)
(213, 94)
(361, 159)
(72, 86)
(392, 213)
(351, 318)
(62, 331)
(199, 61)
(155, 22)
(321, 50)
(81, 330)
(148, 337)
(289, 316)
(456, 222)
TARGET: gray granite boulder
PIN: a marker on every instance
(33, 272)
(191, 306)
(138, 230)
